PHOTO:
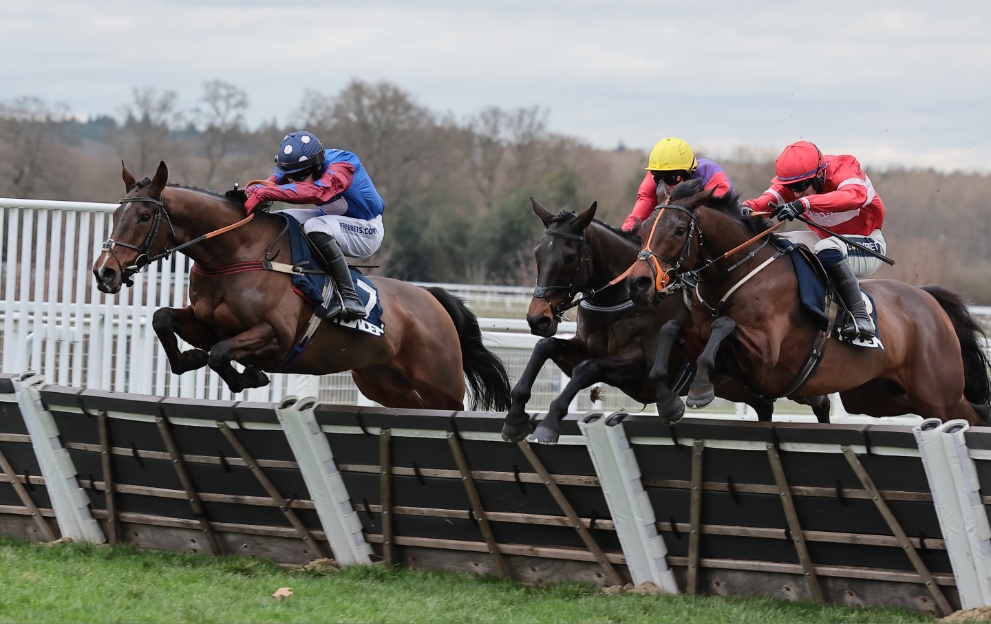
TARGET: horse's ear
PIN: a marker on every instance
(161, 179)
(586, 216)
(542, 213)
(129, 181)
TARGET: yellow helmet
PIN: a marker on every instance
(671, 154)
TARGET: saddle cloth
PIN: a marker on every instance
(318, 288)
(812, 290)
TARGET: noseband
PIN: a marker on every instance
(541, 292)
(662, 277)
(144, 258)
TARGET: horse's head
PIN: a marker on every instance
(138, 226)
(695, 227)
(668, 249)
(562, 266)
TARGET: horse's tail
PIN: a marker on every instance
(977, 382)
(486, 373)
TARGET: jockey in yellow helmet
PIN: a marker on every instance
(671, 162)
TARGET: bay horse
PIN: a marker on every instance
(615, 343)
(931, 363)
(431, 343)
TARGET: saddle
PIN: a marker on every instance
(814, 284)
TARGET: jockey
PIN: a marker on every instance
(834, 192)
(347, 218)
(671, 162)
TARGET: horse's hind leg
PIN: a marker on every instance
(702, 392)
(820, 406)
(565, 353)
(171, 322)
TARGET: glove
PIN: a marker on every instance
(632, 224)
(789, 211)
(254, 198)
(745, 211)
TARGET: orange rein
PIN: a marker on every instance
(242, 221)
(660, 275)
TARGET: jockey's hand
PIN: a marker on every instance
(745, 211)
(632, 224)
(787, 212)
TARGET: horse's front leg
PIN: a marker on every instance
(611, 370)
(171, 322)
(258, 343)
(702, 392)
(565, 353)
(670, 409)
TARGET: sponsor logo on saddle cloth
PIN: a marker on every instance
(812, 290)
(318, 288)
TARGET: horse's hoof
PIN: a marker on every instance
(254, 378)
(697, 400)
(671, 415)
(543, 435)
(511, 433)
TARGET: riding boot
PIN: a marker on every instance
(337, 267)
(848, 288)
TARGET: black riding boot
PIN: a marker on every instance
(849, 290)
(337, 266)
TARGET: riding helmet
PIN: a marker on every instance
(299, 151)
(799, 161)
(671, 154)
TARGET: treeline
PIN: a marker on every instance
(456, 190)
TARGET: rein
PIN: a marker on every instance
(144, 258)
(662, 277)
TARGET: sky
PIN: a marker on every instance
(896, 83)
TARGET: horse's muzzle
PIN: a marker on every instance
(107, 280)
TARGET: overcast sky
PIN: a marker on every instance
(902, 82)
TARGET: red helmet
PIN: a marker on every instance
(799, 161)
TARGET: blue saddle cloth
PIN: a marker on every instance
(317, 288)
(812, 292)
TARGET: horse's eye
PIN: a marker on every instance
(569, 258)
(146, 217)
(680, 230)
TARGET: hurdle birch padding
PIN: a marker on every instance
(629, 506)
(69, 501)
(967, 490)
(939, 473)
(316, 463)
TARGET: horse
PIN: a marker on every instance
(616, 343)
(747, 297)
(240, 312)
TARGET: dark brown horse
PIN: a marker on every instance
(616, 343)
(431, 342)
(931, 363)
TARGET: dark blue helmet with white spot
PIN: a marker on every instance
(298, 152)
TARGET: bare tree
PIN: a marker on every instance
(221, 120)
(30, 145)
(147, 123)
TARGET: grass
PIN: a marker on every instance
(73, 582)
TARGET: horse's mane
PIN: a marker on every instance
(693, 195)
(566, 215)
(234, 197)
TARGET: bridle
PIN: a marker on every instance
(542, 292)
(143, 258)
(662, 278)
